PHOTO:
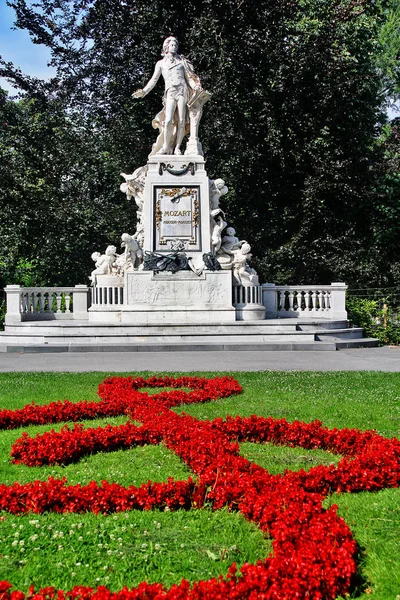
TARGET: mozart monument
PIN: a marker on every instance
(182, 264)
(181, 275)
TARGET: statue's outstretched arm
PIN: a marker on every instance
(150, 84)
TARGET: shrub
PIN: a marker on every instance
(379, 322)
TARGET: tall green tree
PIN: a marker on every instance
(58, 190)
(292, 127)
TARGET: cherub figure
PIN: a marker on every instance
(218, 226)
(217, 189)
(132, 249)
(103, 262)
(133, 187)
(242, 272)
(229, 243)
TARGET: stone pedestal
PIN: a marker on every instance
(166, 297)
(176, 210)
(177, 216)
(181, 297)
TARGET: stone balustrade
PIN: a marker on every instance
(247, 301)
(108, 293)
(244, 295)
(305, 301)
(267, 301)
(46, 303)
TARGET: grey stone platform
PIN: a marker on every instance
(269, 335)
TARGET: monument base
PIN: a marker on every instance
(166, 297)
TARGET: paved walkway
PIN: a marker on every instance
(363, 359)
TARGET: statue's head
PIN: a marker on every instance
(171, 44)
(110, 250)
(125, 237)
(219, 183)
(230, 231)
(96, 256)
(245, 248)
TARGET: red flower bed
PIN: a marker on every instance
(313, 550)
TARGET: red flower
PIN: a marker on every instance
(313, 549)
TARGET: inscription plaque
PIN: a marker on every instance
(176, 218)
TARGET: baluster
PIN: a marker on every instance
(58, 301)
(34, 301)
(314, 300)
(38, 305)
(291, 300)
(321, 301)
(49, 302)
(299, 301)
(302, 303)
(42, 300)
(307, 301)
(326, 300)
(29, 302)
(328, 297)
(67, 303)
(24, 303)
(282, 300)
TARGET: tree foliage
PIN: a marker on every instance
(293, 127)
(58, 190)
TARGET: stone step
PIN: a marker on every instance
(348, 333)
(357, 343)
(223, 347)
(274, 334)
(237, 327)
(159, 338)
(119, 330)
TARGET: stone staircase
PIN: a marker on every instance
(271, 334)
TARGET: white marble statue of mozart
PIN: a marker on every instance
(181, 86)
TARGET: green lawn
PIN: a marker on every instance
(126, 548)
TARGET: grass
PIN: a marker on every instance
(197, 544)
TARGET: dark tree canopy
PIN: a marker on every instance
(294, 127)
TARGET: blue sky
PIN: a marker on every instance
(16, 46)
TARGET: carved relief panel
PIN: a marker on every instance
(177, 218)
